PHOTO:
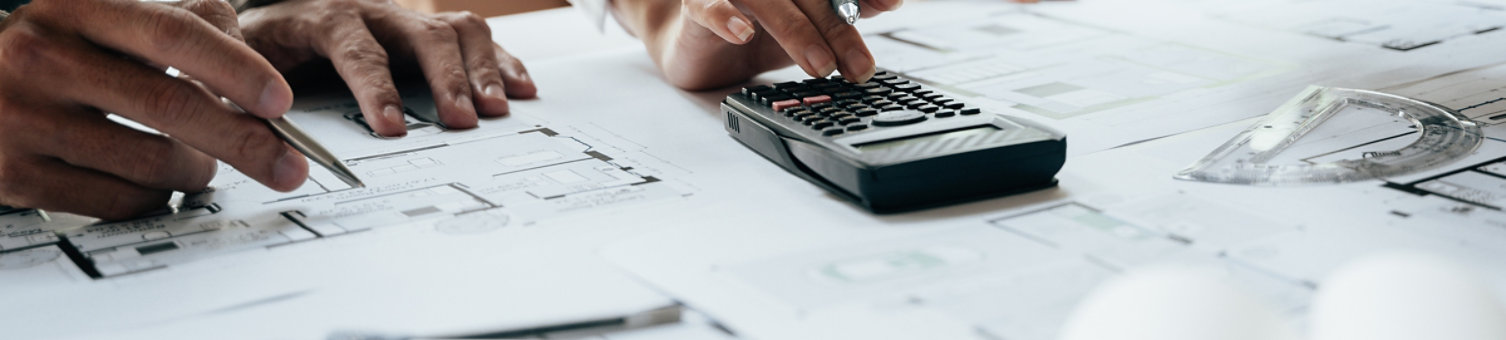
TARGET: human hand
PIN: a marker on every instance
(468, 73)
(718, 42)
(64, 63)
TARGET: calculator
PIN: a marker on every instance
(891, 144)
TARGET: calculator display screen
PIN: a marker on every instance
(889, 144)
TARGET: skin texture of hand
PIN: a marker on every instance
(707, 44)
(366, 41)
(64, 63)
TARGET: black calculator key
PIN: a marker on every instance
(822, 124)
(915, 103)
(856, 106)
(922, 93)
(881, 102)
(907, 87)
(896, 118)
(884, 75)
(868, 85)
(847, 95)
(930, 96)
(945, 114)
(856, 127)
(817, 81)
(832, 132)
(807, 94)
(928, 108)
(842, 115)
(953, 105)
(865, 112)
(774, 99)
(871, 98)
(849, 120)
(822, 105)
(757, 89)
(971, 111)
(891, 107)
(786, 85)
(806, 117)
(828, 110)
(796, 112)
(879, 90)
(941, 101)
(894, 81)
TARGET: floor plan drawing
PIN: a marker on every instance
(473, 181)
(1397, 26)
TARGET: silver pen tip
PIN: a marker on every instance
(849, 12)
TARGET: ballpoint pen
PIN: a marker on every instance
(294, 136)
(289, 132)
(847, 9)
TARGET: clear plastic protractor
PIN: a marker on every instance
(1443, 137)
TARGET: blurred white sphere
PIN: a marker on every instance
(1406, 296)
(1173, 303)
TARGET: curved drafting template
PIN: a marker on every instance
(1443, 136)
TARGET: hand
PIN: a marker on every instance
(469, 74)
(716, 43)
(64, 63)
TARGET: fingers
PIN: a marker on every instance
(721, 17)
(854, 60)
(874, 7)
(217, 12)
(519, 84)
(482, 65)
(434, 45)
(185, 111)
(362, 63)
(179, 38)
(48, 184)
(796, 34)
(89, 140)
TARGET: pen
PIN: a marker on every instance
(847, 9)
(290, 133)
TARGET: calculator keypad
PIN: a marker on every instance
(834, 106)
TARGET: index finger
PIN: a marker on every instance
(793, 30)
(853, 58)
(176, 37)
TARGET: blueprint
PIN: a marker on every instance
(616, 193)
(1015, 268)
(1396, 25)
(513, 173)
(509, 174)
(1123, 79)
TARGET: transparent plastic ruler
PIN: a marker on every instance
(1444, 136)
